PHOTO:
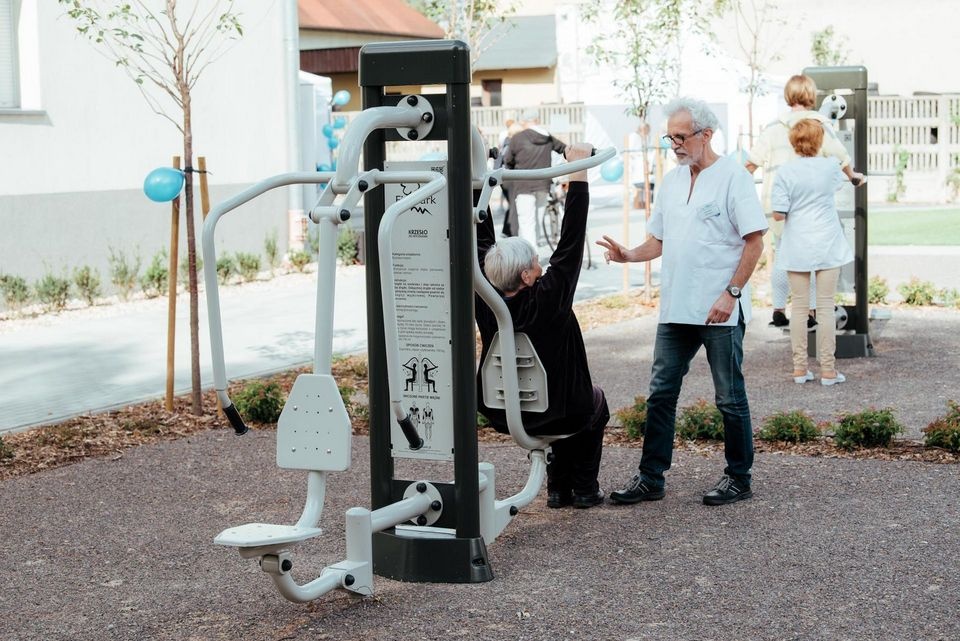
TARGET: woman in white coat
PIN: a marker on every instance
(813, 241)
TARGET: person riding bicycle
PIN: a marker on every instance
(531, 148)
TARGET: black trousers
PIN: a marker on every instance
(576, 459)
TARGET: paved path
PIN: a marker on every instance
(77, 362)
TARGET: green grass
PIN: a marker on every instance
(906, 227)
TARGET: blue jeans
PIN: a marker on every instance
(675, 347)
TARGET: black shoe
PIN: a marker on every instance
(583, 501)
(779, 319)
(557, 499)
(811, 323)
(636, 490)
(727, 491)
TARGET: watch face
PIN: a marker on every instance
(734, 291)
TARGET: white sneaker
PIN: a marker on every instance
(833, 381)
(800, 380)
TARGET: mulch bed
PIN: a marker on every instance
(110, 433)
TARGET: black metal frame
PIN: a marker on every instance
(463, 558)
(854, 79)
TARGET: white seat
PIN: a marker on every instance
(313, 434)
(259, 534)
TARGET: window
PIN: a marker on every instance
(492, 93)
(9, 62)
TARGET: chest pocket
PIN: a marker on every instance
(711, 224)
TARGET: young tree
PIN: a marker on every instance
(759, 37)
(165, 55)
(472, 21)
(644, 40)
(829, 49)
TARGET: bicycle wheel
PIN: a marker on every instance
(550, 223)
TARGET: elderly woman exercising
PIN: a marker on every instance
(541, 304)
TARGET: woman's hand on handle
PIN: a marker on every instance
(578, 151)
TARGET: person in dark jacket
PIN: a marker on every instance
(531, 149)
(541, 304)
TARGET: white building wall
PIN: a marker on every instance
(88, 138)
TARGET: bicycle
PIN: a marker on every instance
(552, 218)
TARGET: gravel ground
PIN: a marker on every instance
(916, 370)
(832, 549)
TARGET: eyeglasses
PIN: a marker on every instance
(679, 139)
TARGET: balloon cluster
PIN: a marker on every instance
(329, 130)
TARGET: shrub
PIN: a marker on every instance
(869, 428)
(348, 245)
(52, 292)
(312, 241)
(87, 281)
(248, 265)
(123, 271)
(898, 187)
(792, 427)
(634, 418)
(877, 291)
(183, 271)
(300, 258)
(482, 421)
(950, 297)
(226, 268)
(260, 402)
(272, 251)
(6, 452)
(154, 280)
(700, 420)
(917, 292)
(945, 431)
(16, 293)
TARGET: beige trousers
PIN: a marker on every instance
(800, 308)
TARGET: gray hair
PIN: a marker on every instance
(506, 260)
(703, 117)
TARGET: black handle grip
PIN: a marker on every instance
(235, 419)
(410, 433)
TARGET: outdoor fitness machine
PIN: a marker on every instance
(842, 96)
(421, 276)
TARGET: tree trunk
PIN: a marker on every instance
(195, 396)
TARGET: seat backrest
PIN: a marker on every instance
(531, 376)
(314, 431)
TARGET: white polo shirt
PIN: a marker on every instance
(813, 237)
(703, 238)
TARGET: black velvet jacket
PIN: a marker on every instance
(545, 313)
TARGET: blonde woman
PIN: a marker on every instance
(771, 150)
(812, 242)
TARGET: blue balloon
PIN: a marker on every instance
(163, 184)
(740, 155)
(333, 165)
(612, 170)
(332, 143)
(341, 98)
(339, 122)
(324, 167)
(327, 130)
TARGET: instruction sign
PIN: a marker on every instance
(421, 269)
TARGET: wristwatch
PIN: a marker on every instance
(734, 291)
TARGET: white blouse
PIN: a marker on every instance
(813, 238)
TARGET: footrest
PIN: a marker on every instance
(260, 534)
